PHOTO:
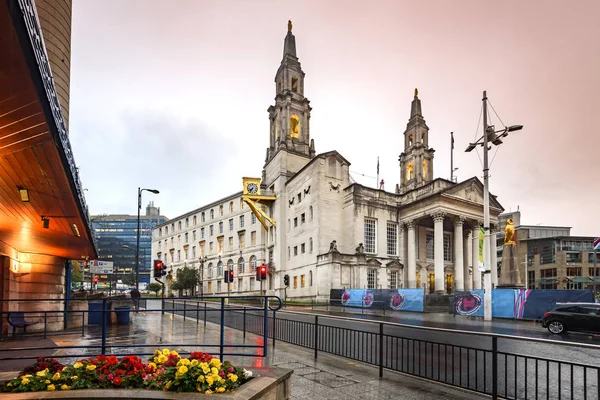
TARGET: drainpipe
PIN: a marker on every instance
(67, 291)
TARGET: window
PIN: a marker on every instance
(212, 230)
(372, 278)
(218, 286)
(310, 245)
(310, 212)
(221, 227)
(202, 249)
(294, 126)
(166, 230)
(591, 258)
(295, 282)
(429, 246)
(302, 280)
(220, 268)
(310, 280)
(179, 225)
(594, 271)
(302, 218)
(230, 243)
(548, 273)
(241, 204)
(193, 236)
(201, 233)
(295, 250)
(253, 263)
(211, 271)
(231, 206)
(193, 251)
(302, 248)
(195, 220)
(409, 172)
(186, 237)
(210, 248)
(299, 197)
(241, 239)
(178, 255)
(221, 210)
(230, 224)
(252, 219)
(253, 238)
(295, 222)
(241, 265)
(220, 244)
(294, 84)
(159, 231)
(531, 280)
(289, 252)
(393, 279)
(212, 214)
(392, 238)
(185, 254)
(370, 235)
(241, 221)
(447, 246)
(230, 265)
(573, 257)
(574, 271)
(187, 222)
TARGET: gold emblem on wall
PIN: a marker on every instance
(294, 126)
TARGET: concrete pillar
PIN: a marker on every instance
(402, 253)
(458, 254)
(475, 257)
(468, 278)
(438, 251)
(412, 256)
(494, 257)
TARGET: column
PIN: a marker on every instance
(458, 254)
(494, 255)
(438, 250)
(402, 253)
(468, 278)
(475, 257)
(412, 256)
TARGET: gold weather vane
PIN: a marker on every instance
(289, 25)
(416, 92)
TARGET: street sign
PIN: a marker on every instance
(597, 244)
(101, 267)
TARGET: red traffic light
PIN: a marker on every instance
(263, 268)
(96, 279)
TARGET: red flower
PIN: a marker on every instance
(117, 381)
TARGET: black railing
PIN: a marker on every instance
(501, 366)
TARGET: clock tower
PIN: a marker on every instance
(416, 162)
(290, 116)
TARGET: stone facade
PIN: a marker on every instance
(333, 233)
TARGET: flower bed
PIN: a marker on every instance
(166, 370)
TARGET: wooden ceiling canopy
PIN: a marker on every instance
(35, 154)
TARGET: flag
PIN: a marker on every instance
(597, 244)
(481, 237)
(377, 165)
(452, 140)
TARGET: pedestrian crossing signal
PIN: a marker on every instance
(160, 269)
(228, 276)
(286, 280)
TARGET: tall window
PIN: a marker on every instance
(447, 246)
(372, 279)
(212, 230)
(295, 282)
(242, 240)
(195, 220)
(178, 255)
(221, 227)
(392, 238)
(231, 243)
(193, 251)
(186, 237)
(252, 219)
(221, 210)
(212, 214)
(202, 217)
(253, 263)
(302, 280)
(253, 238)
(230, 265)
(201, 233)
(370, 235)
(187, 222)
(241, 265)
(241, 221)
(194, 236)
(310, 280)
(231, 206)
(220, 244)
(429, 247)
(211, 271)
(220, 268)
(393, 279)
(310, 212)
(230, 224)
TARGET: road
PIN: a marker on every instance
(528, 362)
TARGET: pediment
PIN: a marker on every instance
(472, 190)
(373, 262)
(394, 264)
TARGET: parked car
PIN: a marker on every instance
(576, 317)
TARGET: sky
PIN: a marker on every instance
(173, 95)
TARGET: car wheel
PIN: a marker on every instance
(557, 327)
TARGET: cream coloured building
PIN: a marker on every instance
(333, 233)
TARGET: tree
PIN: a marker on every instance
(128, 279)
(155, 287)
(185, 279)
(76, 272)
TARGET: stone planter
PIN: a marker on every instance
(268, 384)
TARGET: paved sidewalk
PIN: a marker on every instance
(328, 377)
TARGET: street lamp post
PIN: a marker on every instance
(495, 137)
(137, 248)
(202, 260)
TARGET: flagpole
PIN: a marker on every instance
(377, 182)
(451, 156)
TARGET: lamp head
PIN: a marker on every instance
(513, 128)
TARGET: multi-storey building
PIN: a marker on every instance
(331, 232)
(117, 240)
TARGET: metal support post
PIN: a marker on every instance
(222, 329)
(316, 335)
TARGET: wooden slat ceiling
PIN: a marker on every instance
(30, 159)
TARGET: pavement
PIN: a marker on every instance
(328, 377)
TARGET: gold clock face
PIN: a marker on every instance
(252, 188)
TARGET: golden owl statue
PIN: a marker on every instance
(509, 233)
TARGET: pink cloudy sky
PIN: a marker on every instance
(173, 94)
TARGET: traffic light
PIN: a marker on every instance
(286, 280)
(159, 269)
(96, 280)
(261, 273)
(228, 276)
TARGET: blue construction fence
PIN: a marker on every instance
(506, 303)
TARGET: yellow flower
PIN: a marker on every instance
(209, 380)
(77, 365)
(182, 370)
(220, 389)
(56, 376)
(24, 381)
(50, 387)
(27, 376)
(75, 377)
(214, 371)
(201, 378)
(208, 391)
(206, 370)
(173, 352)
(152, 365)
(168, 385)
(199, 388)
(233, 378)
(194, 363)
(65, 387)
(42, 373)
(162, 359)
(215, 362)
(166, 352)
(91, 367)
(47, 381)
(9, 384)
(157, 352)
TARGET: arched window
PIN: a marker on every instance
(202, 217)
(425, 169)
(410, 140)
(211, 270)
(220, 268)
(212, 214)
(195, 220)
(253, 263)
(241, 265)
(294, 126)
(423, 137)
(310, 245)
(166, 230)
(409, 172)
(231, 206)
(310, 212)
(221, 210)
(230, 265)
(310, 281)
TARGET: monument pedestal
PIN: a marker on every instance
(510, 278)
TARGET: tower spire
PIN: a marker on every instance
(415, 108)
(289, 45)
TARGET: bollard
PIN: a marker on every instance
(103, 326)
(273, 330)
(380, 350)
(184, 310)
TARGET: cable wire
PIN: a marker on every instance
(495, 113)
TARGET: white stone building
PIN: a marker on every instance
(332, 233)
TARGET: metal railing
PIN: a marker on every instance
(101, 332)
(502, 366)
